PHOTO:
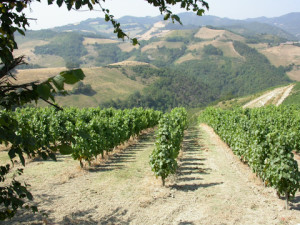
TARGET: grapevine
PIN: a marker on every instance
(264, 138)
(168, 142)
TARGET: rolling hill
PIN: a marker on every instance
(284, 26)
(209, 63)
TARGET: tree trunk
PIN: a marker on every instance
(286, 200)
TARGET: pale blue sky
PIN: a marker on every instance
(51, 16)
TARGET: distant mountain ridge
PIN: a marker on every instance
(286, 26)
(288, 22)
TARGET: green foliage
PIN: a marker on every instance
(171, 90)
(264, 138)
(84, 133)
(111, 53)
(13, 195)
(168, 143)
(212, 50)
(67, 45)
(81, 88)
(237, 77)
(14, 20)
(162, 56)
(147, 71)
(264, 38)
(294, 97)
(197, 83)
(21, 138)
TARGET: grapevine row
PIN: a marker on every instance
(265, 139)
(84, 133)
(168, 142)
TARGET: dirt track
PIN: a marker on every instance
(211, 187)
(275, 97)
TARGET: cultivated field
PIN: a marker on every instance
(211, 187)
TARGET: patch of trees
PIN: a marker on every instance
(111, 53)
(161, 56)
(212, 50)
(148, 71)
(264, 38)
(184, 39)
(198, 83)
(227, 76)
(257, 71)
(82, 88)
(67, 45)
(170, 91)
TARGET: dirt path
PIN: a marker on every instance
(211, 187)
(275, 97)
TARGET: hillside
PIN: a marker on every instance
(209, 63)
(106, 83)
(285, 26)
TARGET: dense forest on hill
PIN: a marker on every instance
(197, 83)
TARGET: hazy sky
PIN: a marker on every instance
(51, 16)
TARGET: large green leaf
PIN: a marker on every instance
(72, 76)
(58, 81)
(44, 90)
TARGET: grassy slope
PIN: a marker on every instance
(27, 48)
(282, 55)
(294, 97)
(109, 83)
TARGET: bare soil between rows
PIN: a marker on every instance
(211, 186)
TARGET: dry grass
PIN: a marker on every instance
(283, 54)
(294, 74)
(27, 49)
(226, 47)
(25, 76)
(155, 31)
(160, 44)
(109, 83)
(206, 33)
(92, 41)
(132, 63)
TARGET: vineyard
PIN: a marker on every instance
(85, 134)
(265, 139)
